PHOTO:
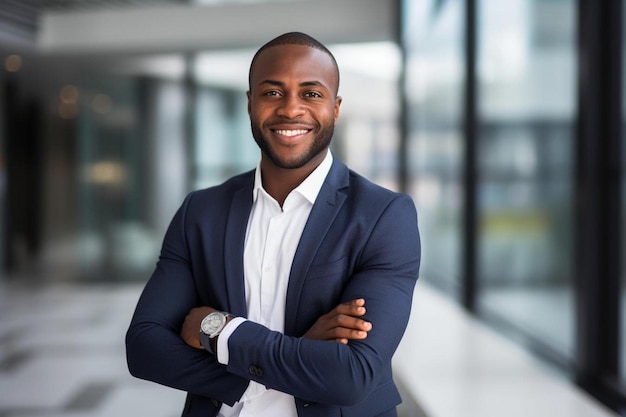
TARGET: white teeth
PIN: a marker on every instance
(291, 132)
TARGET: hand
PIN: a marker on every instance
(190, 332)
(341, 324)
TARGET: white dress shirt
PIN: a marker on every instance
(272, 238)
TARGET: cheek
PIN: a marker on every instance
(330, 115)
(321, 112)
(255, 117)
(259, 113)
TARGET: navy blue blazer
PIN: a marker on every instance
(360, 241)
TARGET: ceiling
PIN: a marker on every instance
(100, 27)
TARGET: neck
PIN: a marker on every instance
(279, 182)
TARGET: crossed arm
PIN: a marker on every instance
(151, 340)
(340, 324)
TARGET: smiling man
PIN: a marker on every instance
(285, 291)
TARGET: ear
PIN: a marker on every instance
(249, 104)
(337, 105)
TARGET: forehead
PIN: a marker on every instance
(294, 62)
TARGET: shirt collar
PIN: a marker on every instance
(309, 188)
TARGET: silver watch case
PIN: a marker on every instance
(213, 324)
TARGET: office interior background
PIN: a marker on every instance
(504, 120)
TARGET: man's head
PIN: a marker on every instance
(292, 101)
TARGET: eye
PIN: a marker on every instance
(312, 94)
(271, 93)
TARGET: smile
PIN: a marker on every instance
(290, 133)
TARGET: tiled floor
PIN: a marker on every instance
(62, 355)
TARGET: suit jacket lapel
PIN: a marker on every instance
(327, 205)
(234, 246)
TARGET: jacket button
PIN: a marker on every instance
(215, 403)
(255, 370)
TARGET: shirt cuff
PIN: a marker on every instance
(222, 339)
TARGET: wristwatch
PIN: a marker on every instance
(211, 326)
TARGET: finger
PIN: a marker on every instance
(351, 309)
(349, 334)
(357, 302)
(351, 322)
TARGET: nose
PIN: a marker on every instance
(291, 107)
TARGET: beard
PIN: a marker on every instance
(320, 143)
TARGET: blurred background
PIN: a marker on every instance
(503, 120)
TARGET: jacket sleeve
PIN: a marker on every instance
(155, 351)
(334, 373)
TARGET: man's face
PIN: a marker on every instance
(293, 105)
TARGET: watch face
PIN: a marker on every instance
(213, 323)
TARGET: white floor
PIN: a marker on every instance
(62, 355)
(456, 366)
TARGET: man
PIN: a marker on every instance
(285, 291)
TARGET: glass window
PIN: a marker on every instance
(3, 182)
(117, 236)
(526, 90)
(223, 144)
(434, 87)
(367, 130)
(222, 148)
(623, 219)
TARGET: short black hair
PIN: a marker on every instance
(294, 38)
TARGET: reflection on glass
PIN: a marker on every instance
(367, 135)
(434, 86)
(116, 240)
(224, 145)
(526, 109)
(131, 166)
